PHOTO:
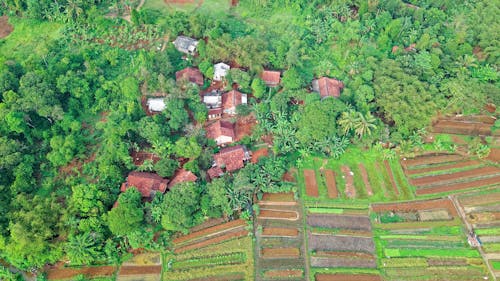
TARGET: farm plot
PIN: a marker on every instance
(229, 260)
(311, 183)
(463, 125)
(279, 238)
(145, 266)
(346, 277)
(424, 240)
(67, 273)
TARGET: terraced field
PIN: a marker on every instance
(443, 173)
(424, 240)
(340, 244)
(279, 239)
(219, 252)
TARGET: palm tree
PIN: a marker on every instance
(81, 249)
(347, 121)
(365, 124)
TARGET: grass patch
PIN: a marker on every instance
(469, 253)
(325, 211)
(488, 231)
(495, 265)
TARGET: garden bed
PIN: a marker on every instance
(343, 262)
(339, 221)
(63, 273)
(330, 184)
(364, 175)
(442, 203)
(284, 273)
(311, 183)
(210, 231)
(459, 186)
(280, 232)
(391, 177)
(461, 128)
(278, 215)
(346, 277)
(272, 253)
(440, 179)
(431, 159)
(228, 277)
(340, 243)
(444, 167)
(138, 270)
(211, 241)
(350, 190)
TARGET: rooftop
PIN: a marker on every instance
(146, 183)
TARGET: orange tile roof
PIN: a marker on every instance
(191, 74)
(215, 172)
(329, 87)
(271, 78)
(220, 128)
(182, 176)
(146, 183)
(231, 158)
(231, 99)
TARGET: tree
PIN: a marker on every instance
(187, 148)
(82, 249)
(166, 167)
(365, 124)
(180, 207)
(258, 88)
(127, 216)
(292, 79)
(217, 203)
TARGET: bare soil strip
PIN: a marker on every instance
(278, 214)
(443, 167)
(339, 221)
(364, 175)
(431, 159)
(226, 277)
(346, 277)
(138, 270)
(343, 262)
(443, 203)
(480, 199)
(211, 241)
(330, 184)
(214, 230)
(461, 128)
(278, 273)
(391, 177)
(280, 232)
(350, 191)
(459, 186)
(311, 183)
(471, 118)
(278, 197)
(70, 273)
(439, 179)
(270, 253)
(341, 243)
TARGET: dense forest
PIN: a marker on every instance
(70, 105)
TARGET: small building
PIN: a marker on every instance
(186, 45)
(156, 104)
(271, 78)
(231, 100)
(230, 159)
(327, 87)
(213, 99)
(215, 113)
(215, 172)
(220, 71)
(221, 131)
(146, 183)
(182, 175)
(190, 74)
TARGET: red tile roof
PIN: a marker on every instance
(146, 183)
(191, 74)
(271, 78)
(231, 99)
(329, 87)
(231, 158)
(182, 176)
(215, 172)
(220, 128)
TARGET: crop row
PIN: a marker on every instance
(423, 244)
(488, 231)
(231, 258)
(436, 273)
(405, 252)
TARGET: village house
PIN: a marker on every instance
(190, 74)
(215, 113)
(182, 175)
(231, 100)
(221, 131)
(220, 71)
(327, 87)
(186, 45)
(271, 78)
(156, 105)
(146, 183)
(228, 160)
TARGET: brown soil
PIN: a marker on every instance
(486, 119)
(311, 184)
(289, 177)
(210, 231)
(234, 2)
(278, 231)
(179, 1)
(138, 270)
(431, 159)
(443, 167)
(346, 277)
(458, 186)
(461, 128)
(350, 191)
(70, 273)
(480, 199)
(447, 262)
(5, 27)
(278, 214)
(325, 242)
(343, 254)
(443, 203)
(343, 262)
(491, 108)
(440, 179)
(364, 175)
(339, 221)
(208, 242)
(228, 277)
(259, 153)
(292, 273)
(244, 126)
(207, 223)
(330, 184)
(278, 197)
(141, 156)
(270, 253)
(391, 177)
(494, 155)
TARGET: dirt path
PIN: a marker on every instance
(461, 213)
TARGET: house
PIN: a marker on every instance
(213, 99)
(156, 104)
(190, 74)
(182, 175)
(220, 71)
(215, 113)
(231, 100)
(230, 159)
(146, 183)
(186, 45)
(221, 131)
(215, 172)
(271, 78)
(327, 87)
